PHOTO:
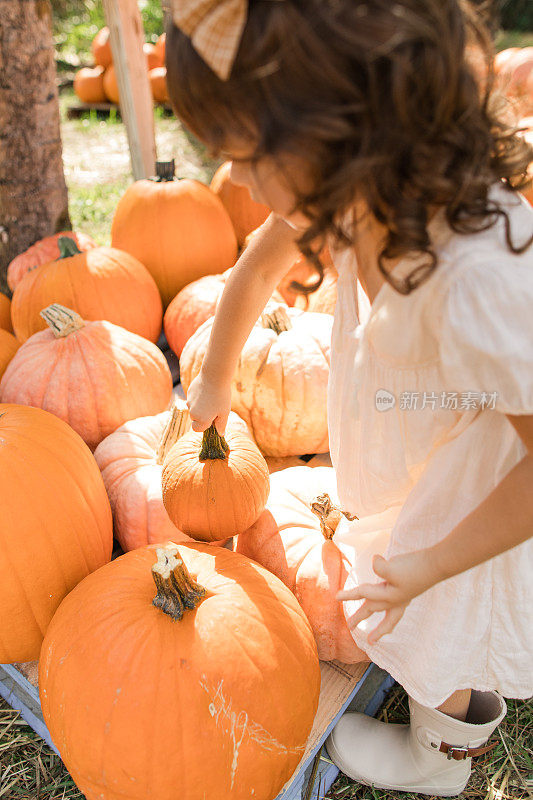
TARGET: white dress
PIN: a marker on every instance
(417, 401)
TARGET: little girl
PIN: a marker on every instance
(363, 124)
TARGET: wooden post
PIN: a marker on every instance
(136, 105)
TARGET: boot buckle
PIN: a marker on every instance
(452, 750)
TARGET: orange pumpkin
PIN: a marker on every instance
(294, 538)
(158, 84)
(8, 347)
(89, 85)
(131, 463)
(246, 214)
(55, 526)
(101, 48)
(5, 313)
(502, 58)
(190, 654)
(111, 85)
(152, 56)
(214, 487)
(280, 385)
(160, 47)
(177, 228)
(194, 305)
(93, 375)
(102, 283)
(42, 252)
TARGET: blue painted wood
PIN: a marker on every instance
(371, 690)
(24, 697)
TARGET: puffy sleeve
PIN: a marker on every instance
(486, 335)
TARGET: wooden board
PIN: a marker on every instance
(127, 37)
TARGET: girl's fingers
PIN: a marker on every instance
(368, 591)
(380, 566)
(199, 425)
(363, 613)
(221, 423)
(387, 624)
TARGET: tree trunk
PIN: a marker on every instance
(33, 193)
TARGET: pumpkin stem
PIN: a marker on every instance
(329, 515)
(178, 424)
(276, 318)
(176, 590)
(67, 247)
(164, 171)
(63, 321)
(213, 445)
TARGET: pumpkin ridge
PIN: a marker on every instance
(79, 491)
(81, 343)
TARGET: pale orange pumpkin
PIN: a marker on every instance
(178, 229)
(190, 654)
(8, 347)
(5, 313)
(102, 283)
(131, 462)
(527, 123)
(55, 525)
(158, 84)
(278, 463)
(42, 252)
(93, 375)
(514, 77)
(89, 85)
(246, 214)
(294, 538)
(280, 385)
(214, 487)
(101, 48)
(111, 85)
(502, 58)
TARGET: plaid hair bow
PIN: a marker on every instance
(215, 28)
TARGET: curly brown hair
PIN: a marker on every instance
(385, 101)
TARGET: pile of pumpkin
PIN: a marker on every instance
(99, 84)
(180, 647)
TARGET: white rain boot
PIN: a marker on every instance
(432, 755)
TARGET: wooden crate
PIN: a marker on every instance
(355, 687)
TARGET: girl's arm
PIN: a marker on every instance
(252, 280)
(503, 520)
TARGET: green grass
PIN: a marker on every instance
(507, 39)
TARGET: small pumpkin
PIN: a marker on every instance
(178, 229)
(514, 77)
(8, 347)
(158, 84)
(101, 48)
(93, 375)
(214, 487)
(195, 654)
(294, 538)
(5, 313)
(527, 123)
(89, 85)
(246, 214)
(131, 462)
(101, 283)
(280, 385)
(42, 252)
(111, 85)
(55, 526)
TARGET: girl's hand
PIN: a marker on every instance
(404, 576)
(208, 403)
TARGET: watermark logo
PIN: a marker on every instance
(385, 400)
